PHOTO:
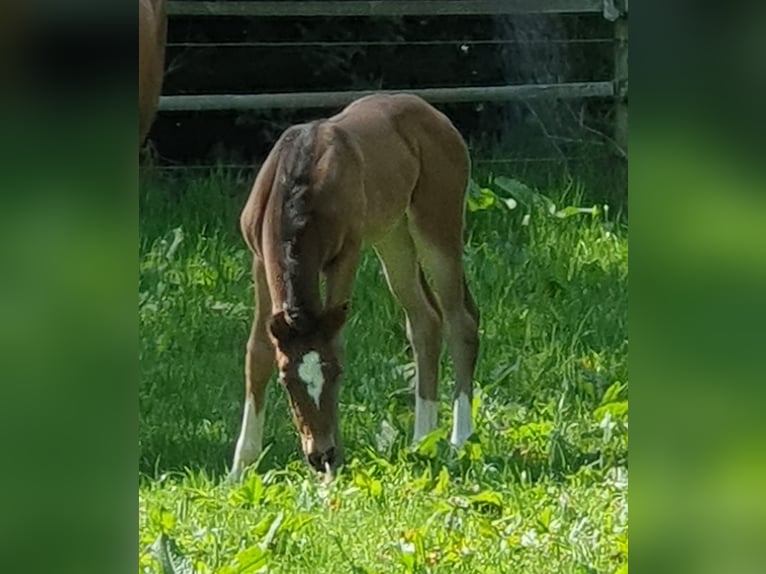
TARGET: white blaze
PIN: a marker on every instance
(250, 441)
(462, 424)
(425, 417)
(310, 372)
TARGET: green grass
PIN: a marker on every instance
(541, 488)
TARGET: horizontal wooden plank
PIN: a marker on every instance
(299, 8)
(393, 43)
(245, 102)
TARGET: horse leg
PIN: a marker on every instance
(436, 220)
(424, 325)
(461, 317)
(340, 276)
(259, 364)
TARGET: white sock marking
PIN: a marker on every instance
(250, 441)
(426, 413)
(310, 372)
(462, 423)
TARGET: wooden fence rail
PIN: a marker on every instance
(435, 95)
(386, 7)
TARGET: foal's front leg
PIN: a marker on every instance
(340, 277)
(259, 364)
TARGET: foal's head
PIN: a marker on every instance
(309, 358)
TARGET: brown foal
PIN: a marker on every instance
(152, 31)
(388, 171)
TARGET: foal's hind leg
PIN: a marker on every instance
(424, 325)
(461, 317)
(435, 218)
(259, 363)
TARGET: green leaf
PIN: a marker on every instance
(248, 561)
(515, 187)
(472, 450)
(479, 198)
(422, 482)
(428, 446)
(375, 488)
(442, 506)
(442, 483)
(476, 405)
(361, 479)
(481, 202)
(167, 521)
(544, 520)
(171, 560)
(486, 528)
(383, 463)
(297, 521)
(572, 210)
(263, 525)
(618, 410)
(525, 195)
(487, 501)
(251, 492)
(407, 560)
(273, 528)
(613, 392)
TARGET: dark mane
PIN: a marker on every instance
(295, 178)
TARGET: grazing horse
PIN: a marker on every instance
(152, 32)
(388, 171)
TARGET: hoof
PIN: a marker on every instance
(234, 476)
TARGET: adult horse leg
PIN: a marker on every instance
(424, 325)
(259, 364)
(152, 36)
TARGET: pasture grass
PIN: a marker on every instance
(542, 487)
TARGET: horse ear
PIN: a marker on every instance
(334, 319)
(280, 329)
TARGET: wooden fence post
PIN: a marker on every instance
(621, 95)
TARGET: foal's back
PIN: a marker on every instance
(402, 141)
(372, 163)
